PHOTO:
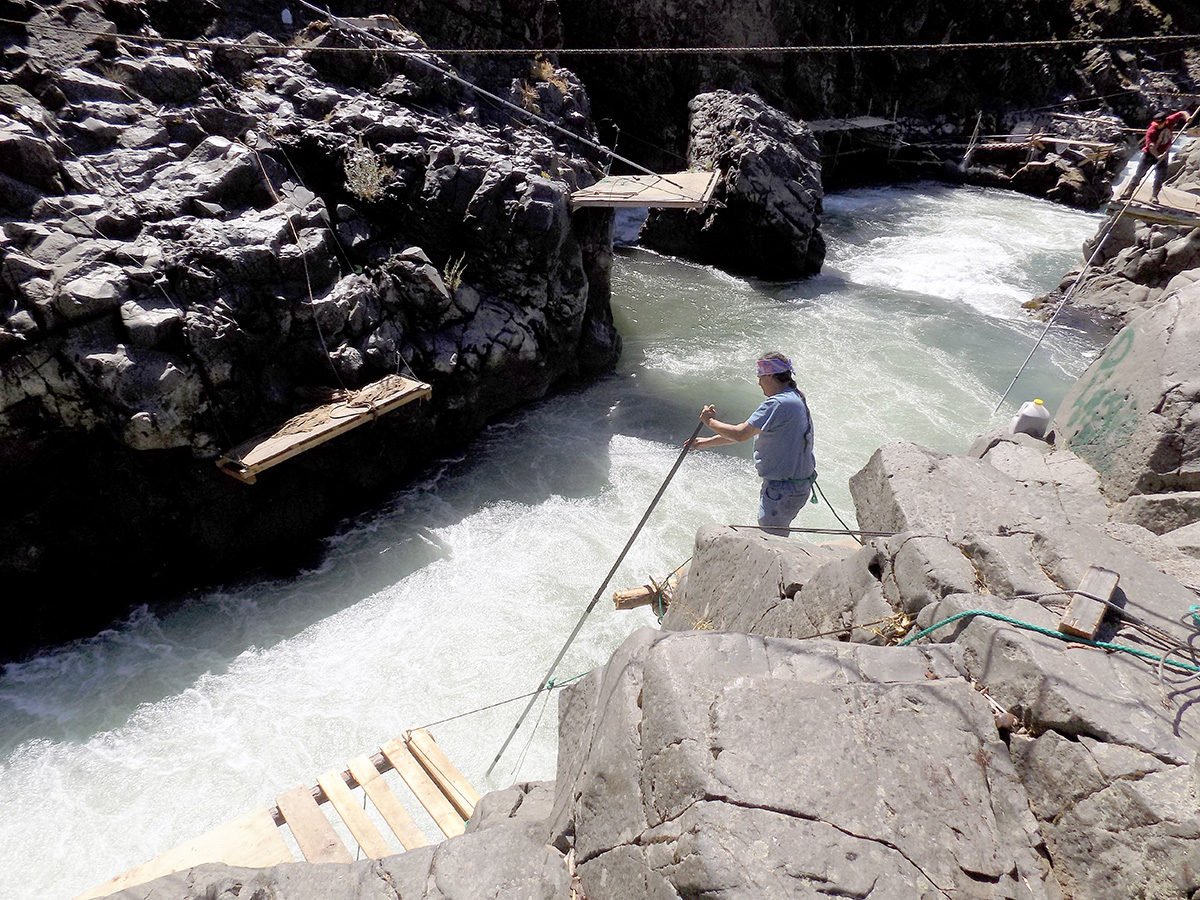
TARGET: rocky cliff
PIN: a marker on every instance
(200, 240)
(935, 96)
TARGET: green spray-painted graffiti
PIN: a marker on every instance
(1103, 419)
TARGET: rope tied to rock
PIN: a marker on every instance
(1057, 635)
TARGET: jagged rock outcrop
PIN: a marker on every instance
(764, 218)
(1141, 263)
(196, 245)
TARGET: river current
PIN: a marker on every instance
(458, 591)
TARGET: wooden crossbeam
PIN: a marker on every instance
(317, 840)
(385, 801)
(438, 767)
(343, 800)
(440, 809)
(681, 190)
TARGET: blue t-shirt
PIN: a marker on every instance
(783, 448)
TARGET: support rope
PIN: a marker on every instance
(595, 599)
(1029, 626)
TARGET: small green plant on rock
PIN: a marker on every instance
(366, 174)
(453, 272)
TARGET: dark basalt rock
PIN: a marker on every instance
(175, 279)
(764, 216)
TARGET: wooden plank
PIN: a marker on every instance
(343, 800)
(251, 840)
(265, 451)
(443, 813)
(681, 190)
(318, 841)
(1083, 616)
(444, 773)
(385, 801)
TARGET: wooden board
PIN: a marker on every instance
(445, 775)
(1175, 207)
(1083, 616)
(343, 800)
(251, 840)
(443, 813)
(319, 425)
(385, 801)
(682, 190)
(317, 840)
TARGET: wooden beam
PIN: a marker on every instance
(317, 840)
(1083, 616)
(385, 801)
(445, 775)
(324, 423)
(346, 804)
(440, 809)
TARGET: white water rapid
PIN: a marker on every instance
(458, 591)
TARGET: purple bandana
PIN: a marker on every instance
(774, 366)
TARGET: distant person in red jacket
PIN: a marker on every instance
(1156, 147)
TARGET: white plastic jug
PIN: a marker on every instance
(1032, 418)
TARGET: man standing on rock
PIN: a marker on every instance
(783, 443)
(1156, 148)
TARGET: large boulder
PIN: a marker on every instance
(702, 764)
(1134, 415)
(764, 218)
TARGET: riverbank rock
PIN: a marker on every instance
(198, 244)
(1141, 263)
(1104, 743)
(1134, 414)
(764, 218)
(500, 863)
(697, 764)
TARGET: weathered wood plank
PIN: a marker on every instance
(317, 840)
(294, 437)
(385, 801)
(450, 781)
(681, 190)
(1082, 618)
(440, 809)
(251, 840)
(343, 800)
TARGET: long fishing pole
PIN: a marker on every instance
(599, 591)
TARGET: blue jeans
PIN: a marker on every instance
(779, 502)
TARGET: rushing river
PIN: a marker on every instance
(457, 592)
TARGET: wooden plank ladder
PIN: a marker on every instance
(255, 839)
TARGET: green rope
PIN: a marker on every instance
(1029, 626)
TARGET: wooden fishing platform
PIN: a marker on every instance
(313, 428)
(256, 840)
(682, 190)
(1174, 207)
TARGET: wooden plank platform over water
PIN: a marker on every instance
(682, 190)
(255, 840)
(315, 427)
(1174, 207)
